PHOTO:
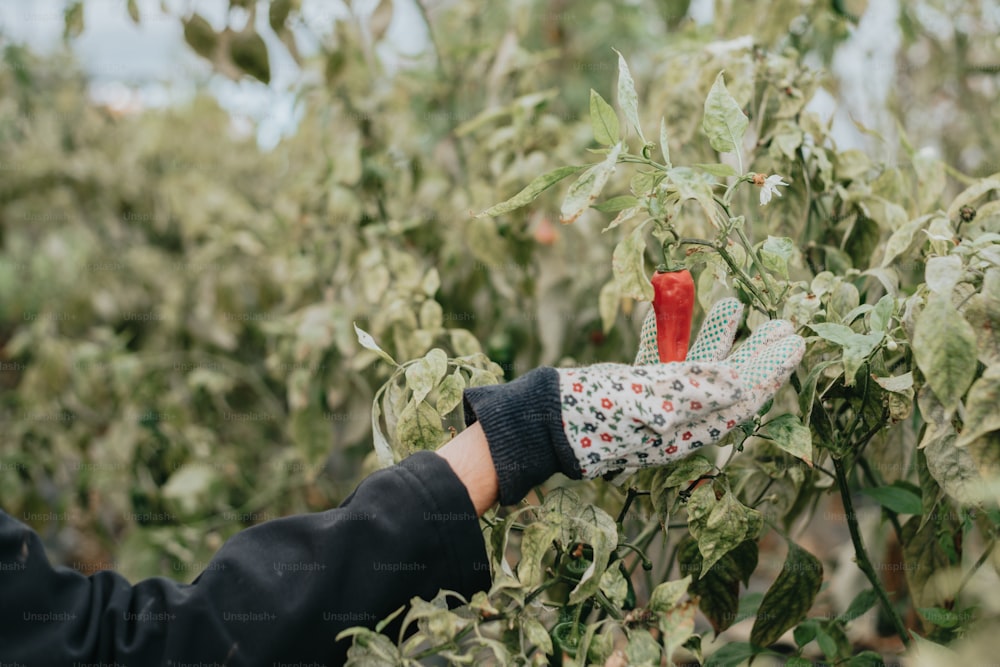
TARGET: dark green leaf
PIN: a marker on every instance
(861, 603)
(896, 498)
(200, 36)
(732, 654)
(866, 659)
(249, 52)
(789, 598)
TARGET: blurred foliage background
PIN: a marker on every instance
(176, 303)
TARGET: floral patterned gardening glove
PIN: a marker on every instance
(588, 421)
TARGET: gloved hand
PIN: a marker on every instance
(585, 422)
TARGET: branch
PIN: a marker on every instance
(861, 555)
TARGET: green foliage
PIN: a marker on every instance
(191, 322)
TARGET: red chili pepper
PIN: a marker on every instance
(673, 303)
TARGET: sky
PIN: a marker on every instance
(149, 65)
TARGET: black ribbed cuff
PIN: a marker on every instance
(522, 421)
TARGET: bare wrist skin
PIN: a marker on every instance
(468, 454)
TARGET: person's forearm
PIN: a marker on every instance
(468, 454)
(277, 592)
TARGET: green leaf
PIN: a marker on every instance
(835, 333)
(616, 204)
(419, 427)
(383, 450)
(669, 594)
(944, 618)
(981, 413)
(805, 631)
(775, 254)
(899, 499)
(727, 525)
(952, 467)
(718, 589)
(642, 649)
(628, 100)
(603, 120)
(614, 586)
(133, 11)
(536, 633)
(943, 273)
(901, 240)
(724, 122)
(535, 542)
(431, 315)
(369, 343)
(664, 145)
(676, 628)
(732, 654)
(628, 266)
(693, 185)
(586, 189)
(249, 53)
(789, 598)
(73, 20)
(607, 304)
(424, 374)
(624, 216)
(970, 195)
(866, 659)
(860, 605)
(790, 434)
(531, 191)
(881, 315)
(859, 347)
(450, 392)
(381, 625)
(983, 314)
(720, 170)
(684, 471)
(944, 346)
(593, 526)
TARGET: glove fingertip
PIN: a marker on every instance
(648, 353)
(718, 331)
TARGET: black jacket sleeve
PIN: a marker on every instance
(278, 592)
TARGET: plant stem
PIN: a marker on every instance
(978, 564)
(633, 493)
(759, 265)
(861, 555)
(635, 159)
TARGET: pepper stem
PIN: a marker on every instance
(667, 266)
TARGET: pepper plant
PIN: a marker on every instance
(141, 443)
(898, 292)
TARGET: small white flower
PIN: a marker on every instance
(768, 186)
